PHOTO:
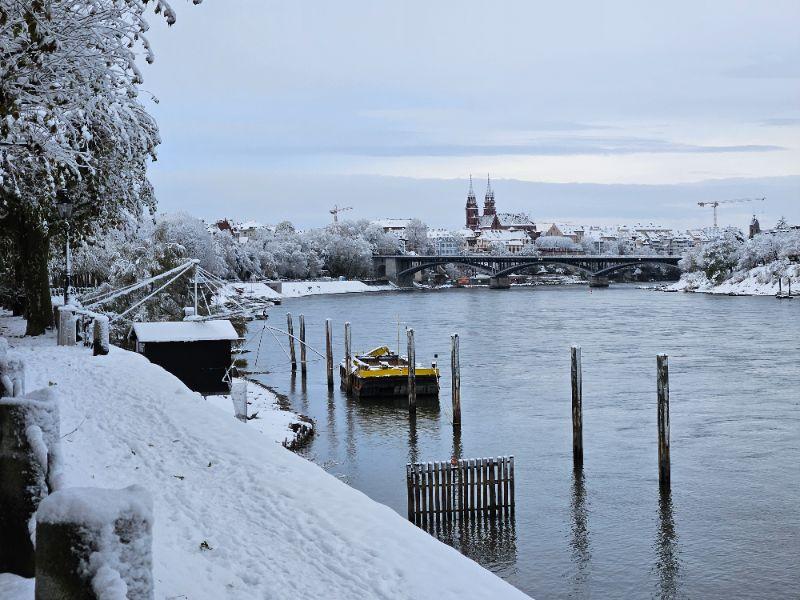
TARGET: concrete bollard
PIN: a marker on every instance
(67, 324)
(95, 543)
(100, 343)
(12, 372)
(29, 471)
(239, 397)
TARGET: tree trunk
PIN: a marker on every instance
(18, 291)
(34, 249)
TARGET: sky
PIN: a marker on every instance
(580, 111)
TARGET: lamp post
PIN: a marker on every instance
(64, 205)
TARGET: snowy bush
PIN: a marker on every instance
(555, 242)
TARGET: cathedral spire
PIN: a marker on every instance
(488, 199)
(472, 207)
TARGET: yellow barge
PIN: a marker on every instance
(382, 373)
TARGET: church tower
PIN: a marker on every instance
(488, 200)
(755, 227)
(472, 208)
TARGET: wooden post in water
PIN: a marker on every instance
(577, 406)
(455, 378)
(663, 420)
(329, 352)
(412, 372)
(348, 357)
(290, 330)
(303, 345)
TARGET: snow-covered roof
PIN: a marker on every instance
(503, 235)
(185, 331)
(514, 220)
(392, 223)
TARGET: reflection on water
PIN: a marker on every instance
(481, 537)
(666, 548)
(579, 538)
(413, 450)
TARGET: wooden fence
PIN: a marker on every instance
(460, 489)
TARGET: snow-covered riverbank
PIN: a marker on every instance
(236, 514)
(758, 281)
(295, 289)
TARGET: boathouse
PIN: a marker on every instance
(196, 352)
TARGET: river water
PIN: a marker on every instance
(730, 528)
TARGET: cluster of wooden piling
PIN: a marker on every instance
(460, 489)
(662, 409)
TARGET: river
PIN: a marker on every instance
(730, 528)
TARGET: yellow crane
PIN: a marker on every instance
(714, 204)
(336, 210)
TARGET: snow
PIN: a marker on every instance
(185, 331)
(758, 281)
(93, 507)
(117, 526)
(266, 416)
(236, 515)
(296, 289)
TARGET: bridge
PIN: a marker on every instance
(400, 269)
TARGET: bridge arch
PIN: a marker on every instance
(614, 268)
(449, 260)
(527, 266)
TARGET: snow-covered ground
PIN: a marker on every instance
(236, 514)
(758, 281)
(264, 413)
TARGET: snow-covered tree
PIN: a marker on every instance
(720, 255)
(191, 238)
(416, 235)
(71, 124)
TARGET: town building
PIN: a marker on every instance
(445, 242)
(511, 241)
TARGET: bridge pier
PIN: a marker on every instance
(599, 281)
(499, 283)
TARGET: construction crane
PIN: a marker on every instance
(336, 210)
(716, 203)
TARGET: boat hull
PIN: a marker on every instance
(390, 386)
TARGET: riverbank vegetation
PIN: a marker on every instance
(729, 263)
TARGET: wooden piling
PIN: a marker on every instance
(302, 345)
(348, 357)
(412, 372)
(663, 420)
(290, 330)
(577, 406)
(455, 379)
(329, 352)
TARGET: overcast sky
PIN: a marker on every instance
(273, 110)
